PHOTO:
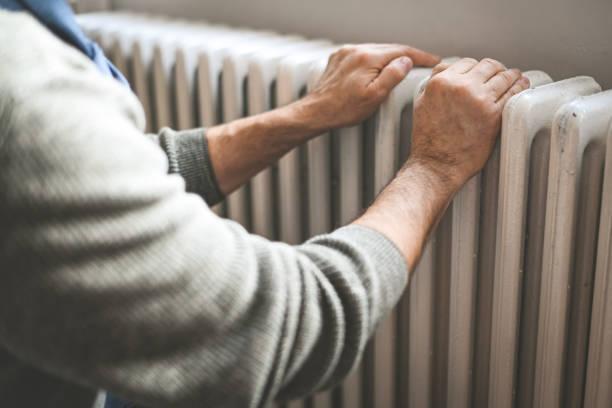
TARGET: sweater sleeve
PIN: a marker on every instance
(114, 277)
(188, 156)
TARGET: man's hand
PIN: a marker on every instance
(357, 80)
(456, 122)
(458, 116)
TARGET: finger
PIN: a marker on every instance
(393, 74)
(389, 52)
(518, 87)
(462, 66)
(486, 69)
(501, 82)
(440, 68)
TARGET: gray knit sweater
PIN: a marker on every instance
(116, 275)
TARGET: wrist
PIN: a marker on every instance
(285, 127)
(309, 113)
(408, 209)
(441, 176)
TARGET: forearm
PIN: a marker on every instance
(410, 207)
(240, 149)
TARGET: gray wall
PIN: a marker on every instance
(563, 37)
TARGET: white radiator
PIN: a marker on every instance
(511, 304)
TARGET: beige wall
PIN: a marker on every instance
(84, 6)
(563, 37)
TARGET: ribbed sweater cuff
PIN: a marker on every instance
(188, 156)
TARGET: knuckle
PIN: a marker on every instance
(470, 60)
(396, 72)
(439, 68)
(507, 76)
(337, 55)
(434, 84)
(362, 56)
(490, 61)
(345, 50)
(512, 75)
(494, 63)
(438, 82)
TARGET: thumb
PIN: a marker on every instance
(393, 73)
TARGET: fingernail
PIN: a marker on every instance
(406, 61)
(526, 81)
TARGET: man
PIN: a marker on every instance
(116, 275)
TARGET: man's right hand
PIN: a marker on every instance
(456, 122)
(458, 116)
